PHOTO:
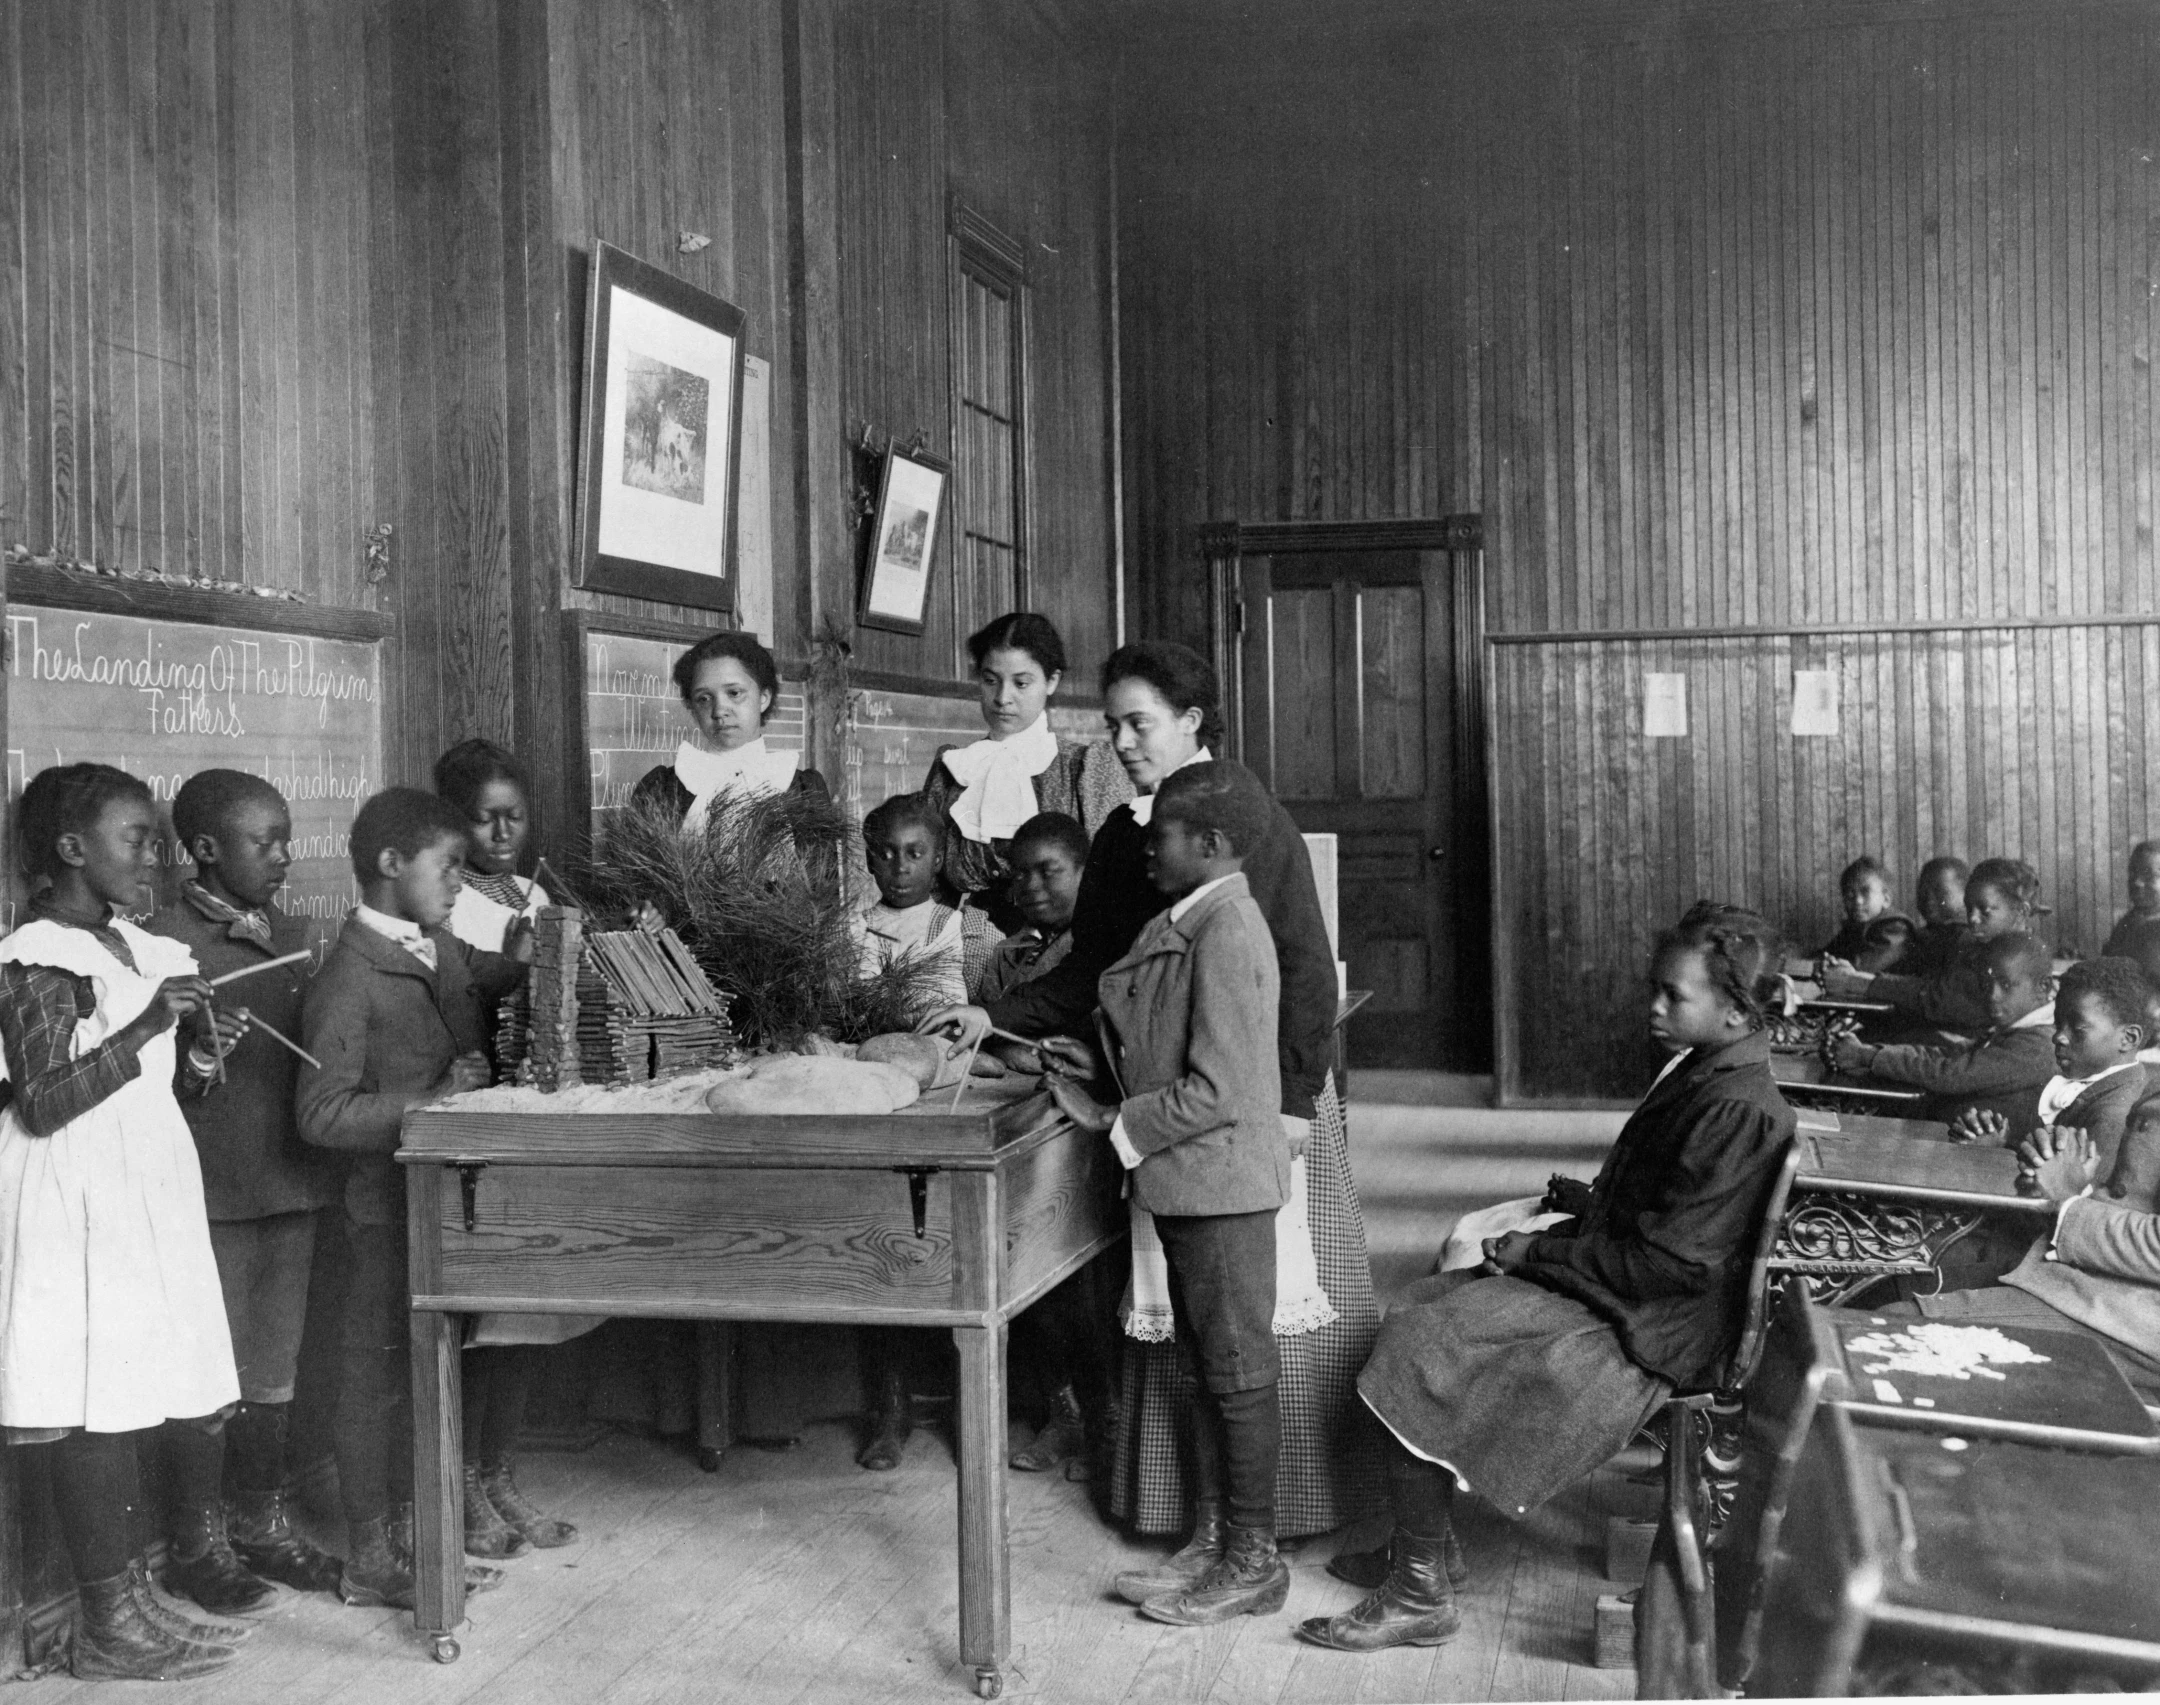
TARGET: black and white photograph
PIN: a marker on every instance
(1256, 852)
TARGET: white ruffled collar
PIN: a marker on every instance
(997, 781)
(750, 768)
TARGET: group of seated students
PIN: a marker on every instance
(167, 1161)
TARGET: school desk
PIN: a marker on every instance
(2027, 1569)
(1872, 1200)
(1805, 1077)
(927, 1217)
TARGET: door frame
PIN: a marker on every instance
(1226, 543)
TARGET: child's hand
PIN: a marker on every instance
(176, 998)
(467, 1072)
(1850, 1054)
(1981, 1125)
(1841, 980)
(1068, 1056)
(1297, 1131)
(1079, 1106)
(517, 946)
(2056, 1163)
(217, 1028)
(1566, 1196)
(965, 1025)
(1504, 1254)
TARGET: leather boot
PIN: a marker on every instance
(486, 1533)
(202, 1566)
(1249, 1580)
(479, 1577)
(376, 1573)
(1064, 1435)
(1183, 1566)
(179, 1625)
(1415, 1606)
(265, 1539)
(891, 1421)
(1369, 1569)
(115, 1640)
(546, 1531)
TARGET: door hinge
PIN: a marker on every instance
(1237, 618)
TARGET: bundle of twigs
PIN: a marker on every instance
(756, 893)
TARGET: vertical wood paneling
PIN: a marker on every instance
(1772, 324)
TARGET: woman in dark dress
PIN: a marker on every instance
(986, 790)
(1160, 701)
(729, 684)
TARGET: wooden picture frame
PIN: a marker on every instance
(900, 560)
(661, 436)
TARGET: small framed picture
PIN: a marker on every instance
(903, 542)
(662, 429)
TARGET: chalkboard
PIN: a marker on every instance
(163, 699)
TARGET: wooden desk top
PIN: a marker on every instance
(1871, 1124)
(1913, 1169)
(1986, 1531)
(998, 1120)
(2077, 1398)
(1807, 1072)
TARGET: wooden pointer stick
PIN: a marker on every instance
(965, 1072)
(282, 1039)
(266, 965)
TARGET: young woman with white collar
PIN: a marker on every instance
(1020, 768)
(729, 684)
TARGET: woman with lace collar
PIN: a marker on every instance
(988, 788)
(729, 684)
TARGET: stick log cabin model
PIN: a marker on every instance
(717, 778)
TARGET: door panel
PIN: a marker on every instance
(1346, 665)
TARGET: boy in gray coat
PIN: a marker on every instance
(1190, 1014)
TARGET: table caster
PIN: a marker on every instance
(988, 1684)
(708, 1459)
(445, 1648)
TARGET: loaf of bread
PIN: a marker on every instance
(796, 1083)
(926, 1058)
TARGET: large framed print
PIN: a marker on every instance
(903, 543)
(662, 436)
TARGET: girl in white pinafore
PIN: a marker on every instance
(111, 1316)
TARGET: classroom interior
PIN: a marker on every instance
(1614, 453)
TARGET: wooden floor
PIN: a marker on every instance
(798, 1577)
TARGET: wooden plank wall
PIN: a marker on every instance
(1768, 319)
(1023, 134)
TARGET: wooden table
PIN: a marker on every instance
(2032, 1567)
(1878, 1197)
(921, 1218)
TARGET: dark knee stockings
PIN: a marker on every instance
(1236, 1440)
(497, 1379)
(95, 1490)
(1422, 1493)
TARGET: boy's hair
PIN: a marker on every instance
(1940, 863)
(2020, 955)
(901, 810)
(2118, 985)
(2012, 878)
(67, 799)
(207, 800)
(1021, 630)
(2145, 849)
(1740, 950)
(406, 820)
(1185, 679)
(1053, 829)
(1224, 797)
(745, 650)
(1860, 870)
(470, 765)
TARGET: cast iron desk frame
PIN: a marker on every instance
(920, 1218)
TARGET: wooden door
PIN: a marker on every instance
(1346, 663)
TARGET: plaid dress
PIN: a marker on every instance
(1331, 1468)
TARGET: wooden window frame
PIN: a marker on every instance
(978, 249)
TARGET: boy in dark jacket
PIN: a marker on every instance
(397, 1017)
(1191, 1008)
(261, 1184)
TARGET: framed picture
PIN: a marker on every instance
(903, 542)
(662, 436)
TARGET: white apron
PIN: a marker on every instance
(1301, 1304)
(111, 1316)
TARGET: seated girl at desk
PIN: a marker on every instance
(2137, 932)
(1516, 1378)
(1875, 934)
(2001, 898)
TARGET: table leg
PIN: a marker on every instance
(438, 1459)
(715, 1346)
(985, 1573)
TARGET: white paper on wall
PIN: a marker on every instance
(1814, 701)
(1664, 707)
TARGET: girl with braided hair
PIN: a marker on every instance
(1518, 1377)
